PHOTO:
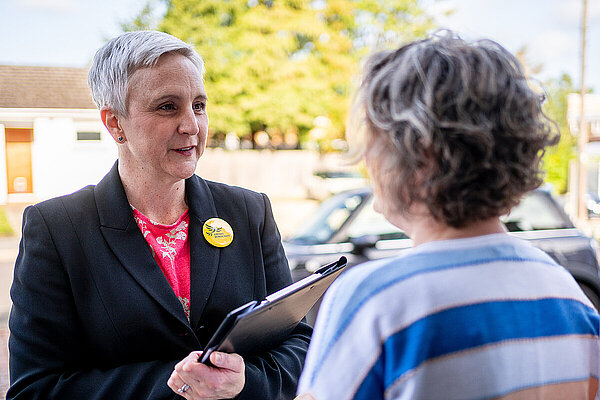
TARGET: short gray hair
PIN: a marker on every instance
(116, 61)
(453, 125)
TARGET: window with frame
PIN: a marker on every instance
(88, 136)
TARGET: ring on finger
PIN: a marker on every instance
(183, 389)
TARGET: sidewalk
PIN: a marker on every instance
(8, 253)
(9, 247)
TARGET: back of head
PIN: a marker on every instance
(117, 60)
(453, 125)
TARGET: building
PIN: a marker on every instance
(589, 197)
(591, 112)
(52, 141)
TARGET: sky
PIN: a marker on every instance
(550, 30)
(68, 32)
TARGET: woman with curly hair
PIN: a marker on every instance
(453, 138)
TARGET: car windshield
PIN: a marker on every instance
(369, 222)
(338, 174)
(536, 211)
(328, 219)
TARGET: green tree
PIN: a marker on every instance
(556, 159)
(276, 65)
(145, 19)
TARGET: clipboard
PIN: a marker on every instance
(258, 326)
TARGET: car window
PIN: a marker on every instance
(327, 220)
(536, 211)
(370, 222)
(338, 174)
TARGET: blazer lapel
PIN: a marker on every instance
(126, 241)
(204, 258)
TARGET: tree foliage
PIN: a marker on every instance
(557, 158)
(144, 20)
(276, 65)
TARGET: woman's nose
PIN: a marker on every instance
(189, 124)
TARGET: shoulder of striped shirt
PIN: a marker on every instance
(361, 282)
(357, 280)
(360, 292)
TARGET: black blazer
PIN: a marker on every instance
(94, 317)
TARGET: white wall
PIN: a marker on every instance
(280, 173)
(62, 164)
(3, 178)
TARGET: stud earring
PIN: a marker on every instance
(121, 139)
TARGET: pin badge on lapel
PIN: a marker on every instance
(217, 232)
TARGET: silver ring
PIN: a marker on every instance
(183, 389)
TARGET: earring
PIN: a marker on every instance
(121, 139)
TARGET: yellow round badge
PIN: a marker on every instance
(217, 232)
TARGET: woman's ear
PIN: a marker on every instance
(111, 120)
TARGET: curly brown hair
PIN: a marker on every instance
(453, 125)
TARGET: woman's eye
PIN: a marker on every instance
(167, 107)
(200, 106)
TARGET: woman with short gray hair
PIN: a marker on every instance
(118, 287)
(453, 137)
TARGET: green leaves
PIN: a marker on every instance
(556, 159)
(279, 64)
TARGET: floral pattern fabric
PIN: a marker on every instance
(171, 249)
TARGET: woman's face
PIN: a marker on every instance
(165, 132)
(383, 200)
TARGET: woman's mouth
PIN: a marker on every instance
(186, 151)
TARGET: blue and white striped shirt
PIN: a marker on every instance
(476, 318)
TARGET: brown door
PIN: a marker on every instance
(18, 160)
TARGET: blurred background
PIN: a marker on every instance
(280, 78)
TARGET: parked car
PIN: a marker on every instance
(592, 203)
(346, 224)
(323, 184)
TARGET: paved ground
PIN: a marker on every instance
(8, 254)
(288, 213)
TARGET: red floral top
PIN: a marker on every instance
(170, 247)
